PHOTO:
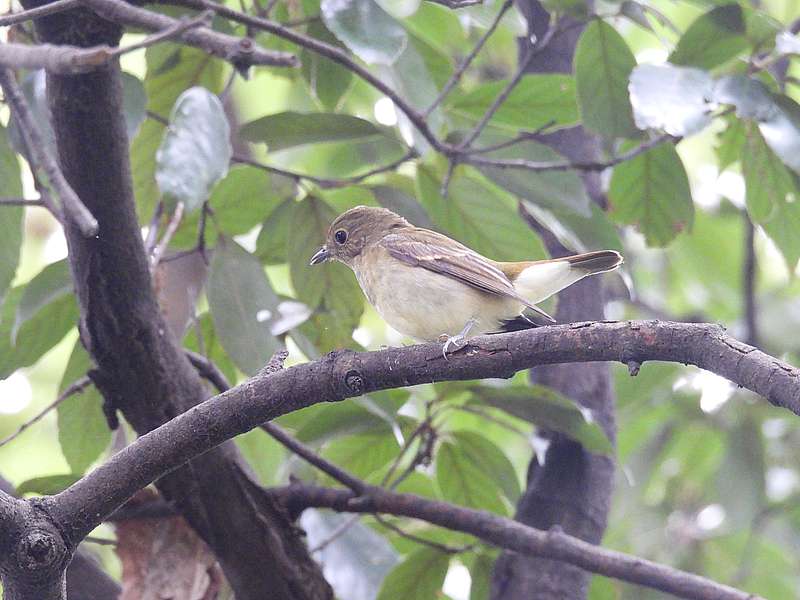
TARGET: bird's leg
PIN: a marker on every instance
(456, 340)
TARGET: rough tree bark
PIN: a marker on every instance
(573, 488)
(140, 368)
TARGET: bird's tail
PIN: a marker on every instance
(538, 280)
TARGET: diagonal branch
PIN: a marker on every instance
(347, 374)
(512, 535)
(41, 160)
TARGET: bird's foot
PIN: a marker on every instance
(456, 341)
(451, 343)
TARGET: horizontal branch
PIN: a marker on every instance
(345, 374)
(241, 52)
(512, 535)
(4, 201)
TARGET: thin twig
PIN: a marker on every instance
(210, 371)
(522, 137)
(172, 227)
(567, 165)
(329, 51)
(502, 96)
(456, 4)
(74, 388)
(457, 74)
(39, 11)
(41, 159)
(313, 458)
(421, 540)
(749, 283)
(325, 182)
(241, 52)
(99, 541)
(21, 202)
(152, 230)
(177, 29)
(336, 534)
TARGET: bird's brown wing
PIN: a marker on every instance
(437, 253)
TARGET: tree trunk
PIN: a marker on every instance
(572, 490)
(140, 368)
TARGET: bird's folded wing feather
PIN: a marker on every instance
(432, 251)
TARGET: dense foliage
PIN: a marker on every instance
(694, 104)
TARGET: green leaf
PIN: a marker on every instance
(419, 577)
(323, 422)
(603, 64)
(464, 483)
(326, 80)
(730, 143)
(558, 191)
(652, 191)
(535, 101)
(478, 216)
(416, 75)
(400, 9)
(363, 26)
(331, 288)
(741, 480)
(402, 203)
(480, 571)
(264, 454)
(50, 284)
(782, 229)
(491, 460)
(778, 116)
(239, 202)
(48, 485)
(11, 223)
(82, 428)
(289, 129)
(712, 39)
(355, 558)
(548, 409)
(171, 69)
(362, 454)
(676, 100)
(134, 103)
(242, 305)
(768, 182)
(203, 338)
(272, 241)
(36, 335)
(196, 149)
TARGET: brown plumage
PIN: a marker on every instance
(424, 283)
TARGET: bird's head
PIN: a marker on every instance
(353, 230)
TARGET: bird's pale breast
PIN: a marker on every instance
(423, 304)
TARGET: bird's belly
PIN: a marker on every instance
(423, 304)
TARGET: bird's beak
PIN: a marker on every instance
(320, 256)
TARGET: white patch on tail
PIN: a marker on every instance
(539, 282)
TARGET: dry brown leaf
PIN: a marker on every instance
(164, 559)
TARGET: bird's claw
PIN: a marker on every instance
(455, 341)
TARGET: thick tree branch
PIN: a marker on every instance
(140, 368)
(241, 52)
(511, 535)
(346, 374)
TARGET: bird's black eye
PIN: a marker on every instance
(340, 236)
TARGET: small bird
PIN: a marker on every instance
(429, 286)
